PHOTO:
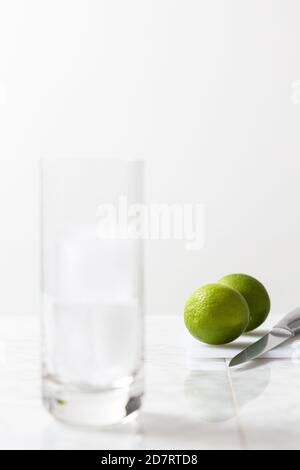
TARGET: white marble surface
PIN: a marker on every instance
(198, 351)
(256, 406)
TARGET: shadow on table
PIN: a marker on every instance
(149, 431)
(185, 431)
(214, 395)
(58, 436)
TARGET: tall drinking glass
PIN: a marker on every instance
(92, 297)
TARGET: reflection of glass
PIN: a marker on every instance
(209, 392)
(92, 292)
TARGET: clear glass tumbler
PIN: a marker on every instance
(92, 289)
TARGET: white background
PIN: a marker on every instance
(202, 89)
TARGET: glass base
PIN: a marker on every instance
(92, 408)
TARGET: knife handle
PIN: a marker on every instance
(291, 322)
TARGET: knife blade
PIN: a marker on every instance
(270, 341)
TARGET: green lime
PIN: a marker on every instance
(216, 314)
(255, 295)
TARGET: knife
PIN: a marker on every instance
(288, 327)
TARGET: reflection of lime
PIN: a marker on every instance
(202, 390)
(209, 396)
(255, 294)
(216, 314)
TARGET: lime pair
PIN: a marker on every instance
(219, 313)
